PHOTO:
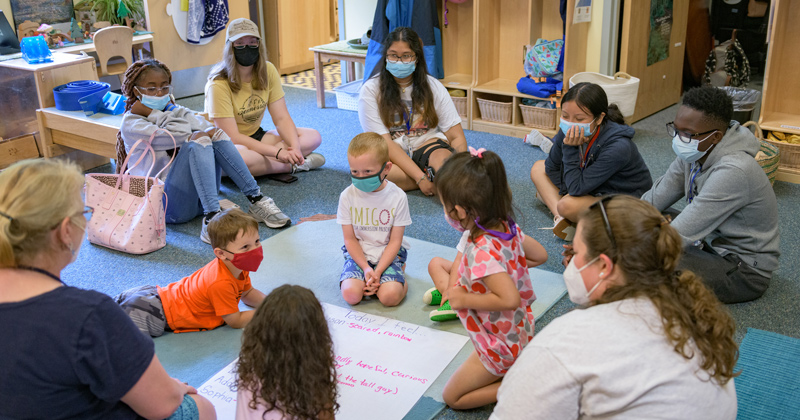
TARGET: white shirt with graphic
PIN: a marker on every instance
(373, 215)
(410, 137)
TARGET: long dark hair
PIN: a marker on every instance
(132, 74)
(646, 250)
(389, 103)
(479, 185)
(287, 361)
(593, 99)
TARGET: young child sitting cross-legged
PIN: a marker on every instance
(373, 213)
(201, 151)
(209, 297)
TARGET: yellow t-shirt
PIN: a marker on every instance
(246, 105)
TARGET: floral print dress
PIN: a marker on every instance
(498, 336)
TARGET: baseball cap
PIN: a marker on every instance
(241, 27)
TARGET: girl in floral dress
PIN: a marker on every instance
(494, 293)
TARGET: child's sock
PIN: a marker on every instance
(254, 198)
(210, 215)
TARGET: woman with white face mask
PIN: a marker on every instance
(652, 342)
(592, 154)
(69, 352)
(412, 111)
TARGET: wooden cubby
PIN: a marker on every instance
(780, 103)
(483, 47)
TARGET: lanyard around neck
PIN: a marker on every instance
(696, 168)
(45, 272)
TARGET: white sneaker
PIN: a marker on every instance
(204, 232)
(535, 138)
(563, 228)
(226, 204)
(313, 161)
(265, 210)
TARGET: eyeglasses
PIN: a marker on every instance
(683, 135)
(600, 203)
(155, 91)
(87, 212)
(250, 45)
(405, 58)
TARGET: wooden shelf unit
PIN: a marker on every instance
(484, 48)
(780, 101)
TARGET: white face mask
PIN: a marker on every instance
(575, 285)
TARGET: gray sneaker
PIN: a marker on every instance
(313, 161)
(204, 232)
(265, 210)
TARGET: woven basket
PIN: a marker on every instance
(769, 156)
(790, 153)
(535, 117)
(461, 105)
(495, 111)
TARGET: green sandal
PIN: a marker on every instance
(432, 297)
(445, 313)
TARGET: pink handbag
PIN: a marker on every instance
(128, 210)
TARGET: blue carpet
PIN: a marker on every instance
(318, 191)
(769, 386)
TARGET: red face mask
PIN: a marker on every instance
(248, 260)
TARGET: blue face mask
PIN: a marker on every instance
(368, 183)
(688, 152)
(401, 70)
(155, 102)
(565, 125)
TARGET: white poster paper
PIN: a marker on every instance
(383, 365)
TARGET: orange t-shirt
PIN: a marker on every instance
(198, 302)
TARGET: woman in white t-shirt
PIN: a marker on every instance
(654, 343)
(412, 111)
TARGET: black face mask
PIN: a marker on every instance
(246, 56)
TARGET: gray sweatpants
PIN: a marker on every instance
(143, 305)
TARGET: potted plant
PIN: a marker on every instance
(107, 10)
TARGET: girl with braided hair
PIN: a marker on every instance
(201, 151)
(653, 343)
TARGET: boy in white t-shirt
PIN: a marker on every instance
(373, 213)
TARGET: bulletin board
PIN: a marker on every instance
(43, 11)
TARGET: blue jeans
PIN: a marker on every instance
(194, 179)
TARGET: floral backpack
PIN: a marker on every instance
(541, 59)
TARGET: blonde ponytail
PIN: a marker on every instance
(35, 196)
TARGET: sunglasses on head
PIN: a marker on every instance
(601, 204)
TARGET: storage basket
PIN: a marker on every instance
(347, 95)
(461, 105)
(790, 152)
(495, 111)
(769, 156)
(622, 89)
(536, 117)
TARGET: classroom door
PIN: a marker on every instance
(663, 47)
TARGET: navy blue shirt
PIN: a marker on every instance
(69, 353)
(613, 164)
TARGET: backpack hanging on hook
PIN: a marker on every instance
(736, 69)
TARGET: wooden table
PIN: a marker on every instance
(64, 131)
(138, 41)
(335, 51)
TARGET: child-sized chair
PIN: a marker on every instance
(111, 42)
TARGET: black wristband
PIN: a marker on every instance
(279, 152)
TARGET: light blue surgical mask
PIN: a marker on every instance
(586, 127)
(155, 102)
(688, 152)
(368, 183)
(401, 70)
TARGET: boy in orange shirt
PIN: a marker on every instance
(210, 296)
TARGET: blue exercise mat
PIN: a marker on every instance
(769, 386)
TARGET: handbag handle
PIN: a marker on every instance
(175, 147)
(125, 164)
(623, 75)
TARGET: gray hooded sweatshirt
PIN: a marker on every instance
(734, 207)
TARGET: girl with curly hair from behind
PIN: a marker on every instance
(286, 364)
(653, 342)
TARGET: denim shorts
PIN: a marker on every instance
(394, 272)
